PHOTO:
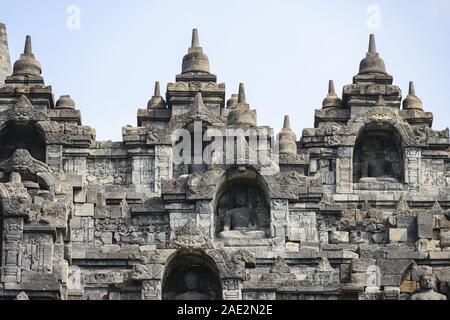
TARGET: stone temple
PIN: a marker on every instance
(357, 208)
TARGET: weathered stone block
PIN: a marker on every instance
(84, 210)
(425, 245)
(91, 197)
(425, 225)
(79, 196)
(408, 286)
(363, 265)
(409, 223)
(445, 239)
(398, 235)
(349, 255)
(292, 247)
(337, 237)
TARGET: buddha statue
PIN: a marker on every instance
(242, 221)
(375, 166)
(192, 283)
(427, 292)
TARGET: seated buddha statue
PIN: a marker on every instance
(241, 221)
(375, 166)
(192, 283)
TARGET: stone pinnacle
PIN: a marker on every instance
(332, 100)
(412, 90)
(412, 101)
(287, 123)
(157, 89)
(28, 48)
(27, 63)
(156, 101)
(331, 87)
(372, 63)
(195, 39)
(242, 99)
(372, 44)
(195, 61)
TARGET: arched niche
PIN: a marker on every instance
(252, 184)
(174, 287)
(15, 136)
(378, 154)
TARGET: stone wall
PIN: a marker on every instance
(122, 220)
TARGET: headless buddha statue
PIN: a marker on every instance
(375, 166)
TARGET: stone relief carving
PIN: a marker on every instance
(279, 271)
(107, 171)
(323, 276)
(189, 237)
(114, 225)
(38, 253)
(140, 230)
(15, 200)
(22, 111)
(149, 271)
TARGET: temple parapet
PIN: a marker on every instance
(199, 201)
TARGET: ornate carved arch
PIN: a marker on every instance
(385, 116)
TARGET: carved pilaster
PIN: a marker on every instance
(143, 173)
(12, 250)
(163, 166)
(232, 289)
(151, 290)
(344, 170)
(279, 218)
(412, 168)
(54, 157)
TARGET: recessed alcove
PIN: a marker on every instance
(378, 156)
(192, 275)
(13, 137)
(242, 208)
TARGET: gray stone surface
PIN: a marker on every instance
(357, 208)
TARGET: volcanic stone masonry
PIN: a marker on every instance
(358, 208)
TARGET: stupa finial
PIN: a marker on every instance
(195, 39)
(372, 44)
(242, 99)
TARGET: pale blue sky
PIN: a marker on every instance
(285, 51)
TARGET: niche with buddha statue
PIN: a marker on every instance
(242, 210)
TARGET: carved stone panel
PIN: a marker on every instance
(12, 250)
(433, 172)
(151, 290)
(413, 168)
(303, 226)
(107, 171)
(38, 253)
(54, 157)
(143, 173)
